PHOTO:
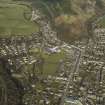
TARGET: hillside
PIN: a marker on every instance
(70, 17)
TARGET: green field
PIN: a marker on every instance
(52, 62)
(12, 20)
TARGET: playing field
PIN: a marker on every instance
(51, 61)
(13, 21)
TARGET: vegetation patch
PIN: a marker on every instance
(13, 21)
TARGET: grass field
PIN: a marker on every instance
(12, 21)
(52, 62)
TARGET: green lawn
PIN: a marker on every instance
(12, 21)
(51, 62)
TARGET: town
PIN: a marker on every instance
(49, 71)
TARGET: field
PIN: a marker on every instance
(12, 20)
(51, 62)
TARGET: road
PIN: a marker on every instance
(51, 36)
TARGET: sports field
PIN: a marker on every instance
(13, 21)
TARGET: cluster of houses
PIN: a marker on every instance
(16, 50)
(79, 78)
(88, 84)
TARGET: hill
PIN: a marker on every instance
(70, 17)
